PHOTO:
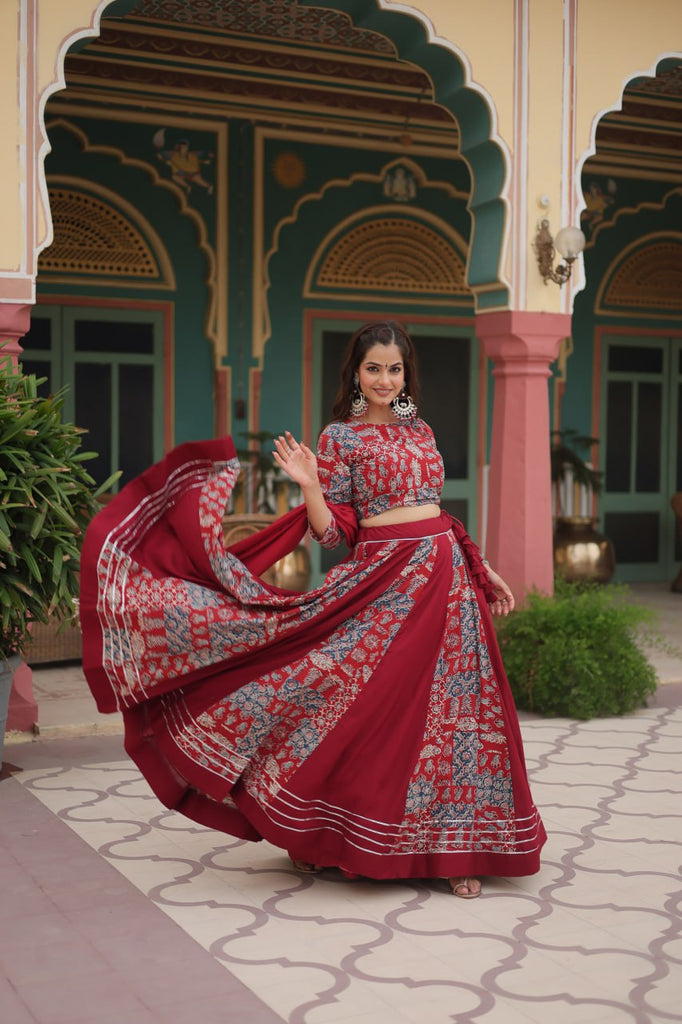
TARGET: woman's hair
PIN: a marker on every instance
(379, 332)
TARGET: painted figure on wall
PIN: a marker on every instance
(185, 163)
(597, 202)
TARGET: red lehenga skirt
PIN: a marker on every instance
(366, 724)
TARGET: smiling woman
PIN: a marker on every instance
(365, 725)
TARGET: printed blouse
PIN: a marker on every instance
(377, 466)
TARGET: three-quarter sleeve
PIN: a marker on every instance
(335, 481)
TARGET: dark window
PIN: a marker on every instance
(648, 469)
(618, 435)
(678, 474)
(113, 336)
(444, 372)
(457, 507)
(630, 359)
(41, 370)
(333, 350)
(39, 335)
(92, 393)
(136, 419)
(635, 535)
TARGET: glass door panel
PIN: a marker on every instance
(641, 438)
(110, 359)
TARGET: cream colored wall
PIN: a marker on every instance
(33, 37)
(580, 55)
(616, 40)
(11, 172)
(522, 54)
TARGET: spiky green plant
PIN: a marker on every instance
(47, 500)
(567, 446)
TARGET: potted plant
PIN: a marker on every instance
(580, 551)
(579, 652)
(46, 501)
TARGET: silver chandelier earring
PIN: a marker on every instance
(358, 402)
(403, 406)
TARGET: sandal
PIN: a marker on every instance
(305, 867)
(465, 888)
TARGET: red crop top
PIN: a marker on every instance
(375, 467)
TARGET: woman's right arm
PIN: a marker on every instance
(302, 466)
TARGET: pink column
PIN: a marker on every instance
(22, 714)
(519, 536)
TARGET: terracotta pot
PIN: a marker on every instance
(581, 553)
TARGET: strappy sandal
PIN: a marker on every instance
(305, 867)
(462, 887)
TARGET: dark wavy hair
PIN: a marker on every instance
(379, 332)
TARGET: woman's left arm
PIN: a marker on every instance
(504, 602)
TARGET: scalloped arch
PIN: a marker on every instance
(94, 236)
(479, 145)
(647, 278)
(389, 253)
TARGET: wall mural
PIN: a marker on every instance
(185, 164)
(598, 196)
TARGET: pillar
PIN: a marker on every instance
(15, 320)
(521, 346)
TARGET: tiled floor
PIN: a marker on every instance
(113, 909)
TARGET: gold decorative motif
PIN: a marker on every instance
(394, 254)
(91, 237)
(288, 170)
(650, 278)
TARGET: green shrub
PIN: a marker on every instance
(47, 500)
(576, 654)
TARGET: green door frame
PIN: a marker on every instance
(670, 379)
(63, 359)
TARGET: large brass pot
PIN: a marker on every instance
(291, 572)
(581, 553)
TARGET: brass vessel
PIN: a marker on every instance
(581, 553)
(291, 572)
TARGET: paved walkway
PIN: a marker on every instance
(113, 909)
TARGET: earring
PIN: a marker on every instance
(358, 402)
(403, 406)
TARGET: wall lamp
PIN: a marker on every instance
(569, 242)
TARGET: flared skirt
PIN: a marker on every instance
(366, 724)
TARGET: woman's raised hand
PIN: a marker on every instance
(297, 460)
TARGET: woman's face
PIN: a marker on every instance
(382, 375)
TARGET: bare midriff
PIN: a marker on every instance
(403, 514)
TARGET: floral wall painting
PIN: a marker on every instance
(185, 164)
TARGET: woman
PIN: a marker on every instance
(367, 724)
(379, 457)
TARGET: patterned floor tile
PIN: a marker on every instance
(595, 936)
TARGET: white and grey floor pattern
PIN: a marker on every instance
(127, 885)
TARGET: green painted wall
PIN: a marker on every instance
(638, 209)
(130, 172)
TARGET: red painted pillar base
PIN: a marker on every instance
(22, 714)
(519, 536)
